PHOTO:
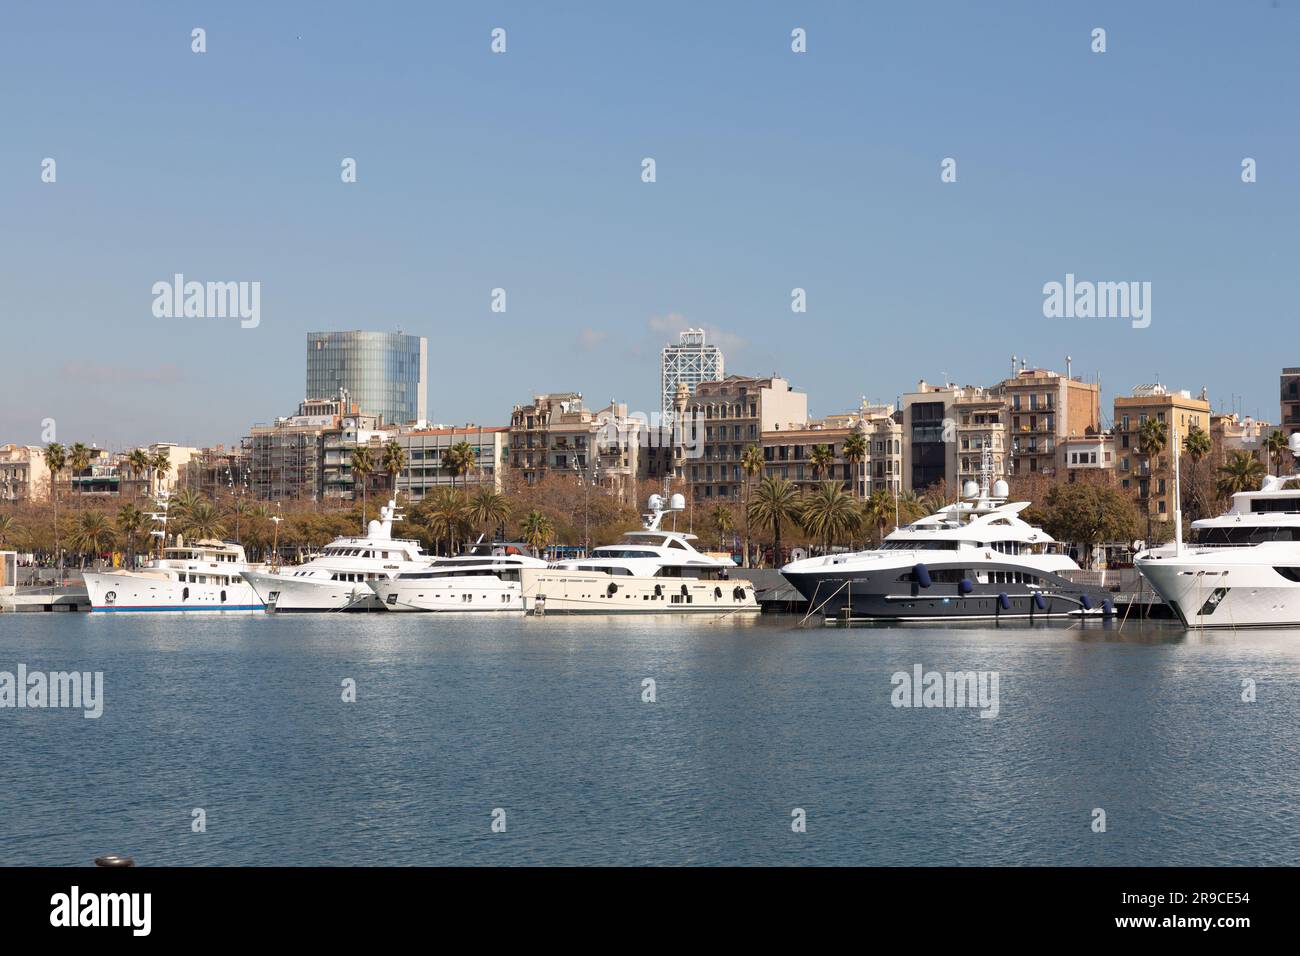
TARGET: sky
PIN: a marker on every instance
(523, 171)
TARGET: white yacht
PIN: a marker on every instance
(205, 576)
(1242, 568)
(340, 578)
(651, 571)
(485, 578)
(974, 559)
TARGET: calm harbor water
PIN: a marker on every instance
(543, 717)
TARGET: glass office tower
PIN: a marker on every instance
(384, 372)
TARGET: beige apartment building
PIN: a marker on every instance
(1152, 481)
(1230, 433)
(789, 454)
(1090, 456)
(23, 474)
(882, 469)
(557, 434)
(726, 417)
(1042, 408)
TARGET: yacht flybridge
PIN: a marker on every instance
(485, 578)
(974, 559)
(340, 578)
(651, 571)
(1242, 568)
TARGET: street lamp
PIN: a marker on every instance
(275, 540)
(585, 482)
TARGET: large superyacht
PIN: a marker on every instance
(976, 559)
(1242, 568)
(340, 578)
(651, 571)
(485, 578)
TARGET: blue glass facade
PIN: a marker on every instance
(384, 372)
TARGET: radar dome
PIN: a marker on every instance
(1294, 443)
(1001, 489)
(656, 503)
(970, 490)
(678, 503)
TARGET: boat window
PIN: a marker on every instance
(1261, 505)
(938, 575)
(1243, 535)
(1291, 574)
(676, 544)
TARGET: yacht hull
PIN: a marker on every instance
(558, 591)
(479, 594)
(1235, 590)
(125, 591)
(286, 593)
(880, 596)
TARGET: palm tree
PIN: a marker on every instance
(203, 520)
(489, 508)
(161, 464)
(139, 463)
(751, 463)
(394, 463)
(363, 463)
(79, 461)
(855, 453)
(8, 527)
(1196, 446)
(445, 512)
(536, 530)
(460, 460)
(909, 506)
(1152, 439)
(93, 533)
(879, 510)
(1277, 446)
(56, 459)
(724, 520)
(829, 512)
(1243, 472)
(180, 506)
(823, 459)
(776, 502)
(130, 521)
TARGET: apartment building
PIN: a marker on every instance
(1152, 481)
(1091, 456)
(1042, 408)
(1290, 416)
(881, 426)
(23, 474)
(945, 429)
(791, 454)
(726, 417)
(308, 456)
(558, 434)
(426, 462)
(1230, 433)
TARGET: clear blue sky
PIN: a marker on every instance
(522, 170)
